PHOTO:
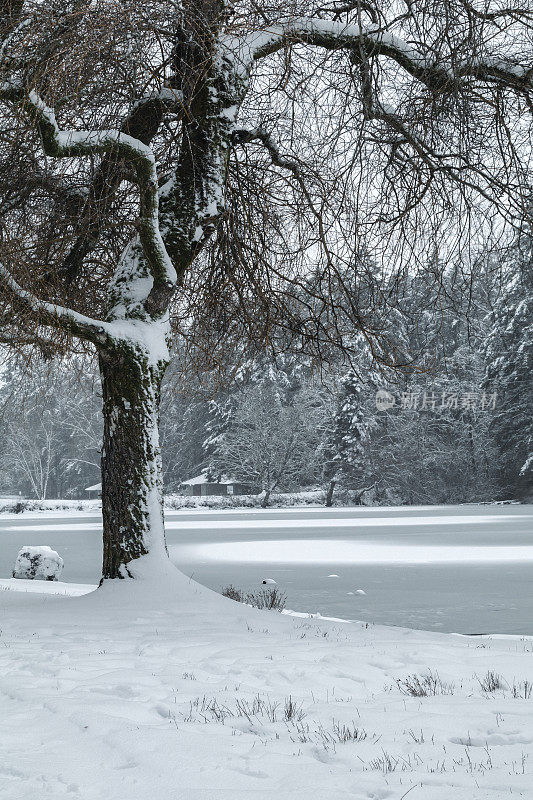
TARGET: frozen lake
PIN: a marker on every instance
(467, 569)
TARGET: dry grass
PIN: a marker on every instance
(428, 684)
(491, 682)
(270, 599)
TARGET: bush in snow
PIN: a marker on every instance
(38, 563)
(233, 593)
(267, 598)
(262, 598)
(304, 498)
(491, 682)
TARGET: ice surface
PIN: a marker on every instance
(334, 551)
(474, 596)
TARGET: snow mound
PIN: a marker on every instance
(38, 563)
(46, 587)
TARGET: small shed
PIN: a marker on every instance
(201, 486)
(94, 491)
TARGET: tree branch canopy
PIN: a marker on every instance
(379, 129)
(262, 176)
(59, 143)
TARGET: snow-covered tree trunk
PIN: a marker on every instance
(265, 500)
(329, 493)
(132, 484)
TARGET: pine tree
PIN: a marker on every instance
(351, 435)
(509, 360)
(221, 416)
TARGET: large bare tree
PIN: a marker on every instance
(226, 164)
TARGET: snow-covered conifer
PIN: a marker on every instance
(509, 367)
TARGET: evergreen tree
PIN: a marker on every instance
(266, 429)
(221, 415)
(352, 424)
(509, 364)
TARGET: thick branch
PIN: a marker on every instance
(72, 143)
(337, 36)
(142, 123)
(51, 314)
(193, 201)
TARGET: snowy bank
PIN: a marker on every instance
(46, 588)
(175, 502)
(15, 507)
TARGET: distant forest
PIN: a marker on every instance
(451, 421)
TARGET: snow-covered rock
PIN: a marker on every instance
(38, 563)
(270, 581)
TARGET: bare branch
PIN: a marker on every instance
(50, 314)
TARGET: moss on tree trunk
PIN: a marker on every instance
(132, 487)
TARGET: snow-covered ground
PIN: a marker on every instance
(160, 688)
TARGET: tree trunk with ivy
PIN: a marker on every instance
(132, 487)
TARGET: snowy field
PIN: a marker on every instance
(162, 689)
(464, 569)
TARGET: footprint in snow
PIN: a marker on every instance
(493, 739)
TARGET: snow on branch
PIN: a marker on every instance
(150, 336)
(142, 121)
(172, 99)
(51, 314)
(60, 143)
(71, 143)
(374, 42)
(4, 45)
